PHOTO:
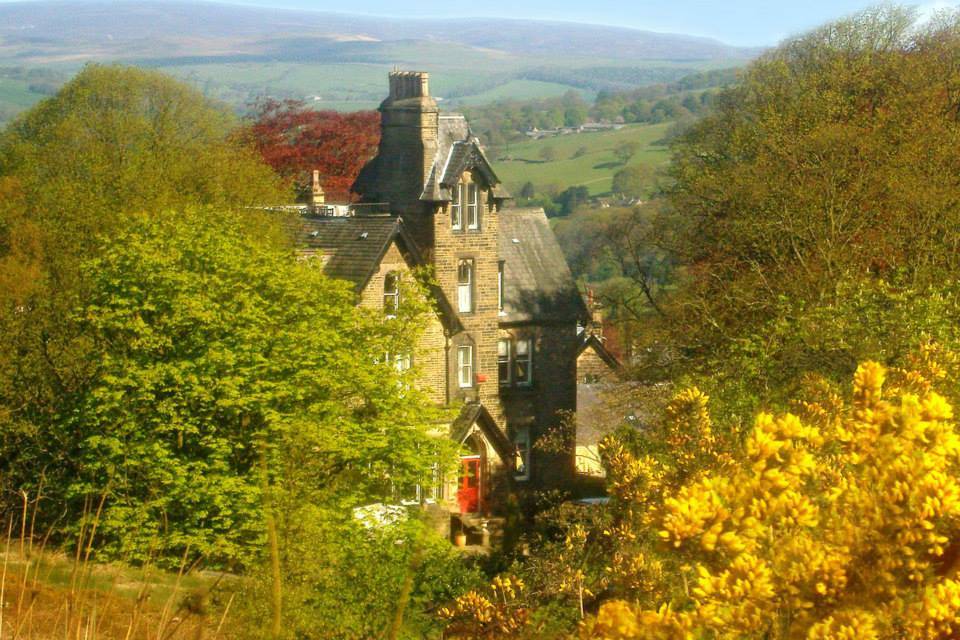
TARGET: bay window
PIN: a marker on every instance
(515, 362)
(523, 362)
(503, 362)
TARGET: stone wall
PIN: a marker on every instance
(552, 396)
(429, 355)
(480, 245)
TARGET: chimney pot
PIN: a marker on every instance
(409, 84)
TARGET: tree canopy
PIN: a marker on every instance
(296, 140)
(834, 159)
(119, 139)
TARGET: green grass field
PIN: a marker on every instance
(521, 90)
(595, 169)
(16, 93)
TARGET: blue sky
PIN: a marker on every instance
(740, 22)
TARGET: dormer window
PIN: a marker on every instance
(391, 294)
(473, 209)
(456, 208)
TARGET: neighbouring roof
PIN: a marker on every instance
(590, 340)
(474, 413)
(352, 247)
(538, 285)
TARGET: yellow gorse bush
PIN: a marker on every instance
(841, 522)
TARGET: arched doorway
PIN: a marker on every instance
(471, 484)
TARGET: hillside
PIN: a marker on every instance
(594, 169)
(237, 53)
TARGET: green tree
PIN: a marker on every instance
(625, 151)
(634, 181)
(571, 198)
(212, 354)
(121, 139)
(830, 162)
(548, 154)
(113, 141)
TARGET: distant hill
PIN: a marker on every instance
(239, 52)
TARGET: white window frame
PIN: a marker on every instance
(456, 208)
(521, 441)
(504, 361)
(465, 289)
(402, 362)
(393, 296)
(465, 366)
(523, 358)
(473, 207)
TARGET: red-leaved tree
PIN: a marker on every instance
(295, 140)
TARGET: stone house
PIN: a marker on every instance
(503, 346)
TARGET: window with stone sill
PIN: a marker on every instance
(465, 286)
(391, 294)
(465, 367)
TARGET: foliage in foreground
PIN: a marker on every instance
(839, 520)
(345, 581)
(217, 365)
(831, 163)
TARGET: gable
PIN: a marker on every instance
(458, 151)
(353, 248)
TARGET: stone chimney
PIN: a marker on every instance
(317, 197)
(409, 121)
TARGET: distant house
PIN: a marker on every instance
(598, 373)
(503, 346)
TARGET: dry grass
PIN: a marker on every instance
(106, 602)
(48, 595)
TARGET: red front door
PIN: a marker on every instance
(468, 494)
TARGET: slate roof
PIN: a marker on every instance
(538, 285)
(351, 247)
(457, 149)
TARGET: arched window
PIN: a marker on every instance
(391, 294)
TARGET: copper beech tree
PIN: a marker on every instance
(296, 140)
